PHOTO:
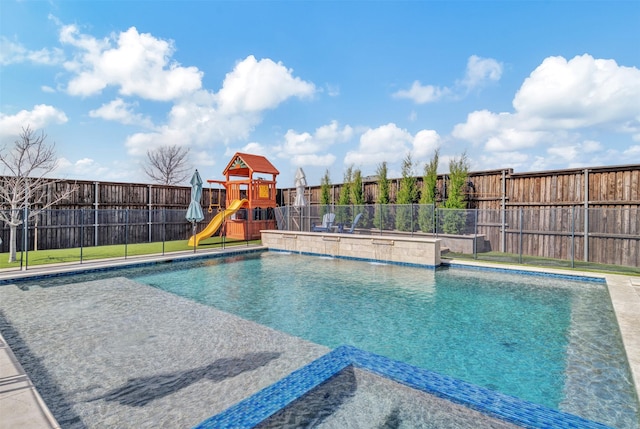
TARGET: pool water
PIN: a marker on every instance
(551, 341)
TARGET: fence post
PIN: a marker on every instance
(81, 234)
(164, 228)
(503, 214)
(475, 234)
(149, 207)
(223, 232)
(573, 235)
(586, 215)
(25, 238)
(434, 213)
(412, 228)
(520, 237)
(126, 231)
(96, 203)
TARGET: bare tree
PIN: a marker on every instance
(167, 165)
(24, 189)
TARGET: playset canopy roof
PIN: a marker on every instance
(245, 165)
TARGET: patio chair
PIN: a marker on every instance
(327, 222)
(353, 225)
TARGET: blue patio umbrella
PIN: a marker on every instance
(194, 212)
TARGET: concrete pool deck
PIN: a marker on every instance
(21, 405)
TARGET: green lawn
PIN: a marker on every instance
(509, 258)
(55, 256)
(42, 257)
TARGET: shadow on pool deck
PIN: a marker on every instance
(138, 392)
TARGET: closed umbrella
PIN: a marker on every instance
(194, 212)
(301, 183)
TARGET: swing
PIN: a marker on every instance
(211, 205)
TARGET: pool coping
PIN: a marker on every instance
(624, 292)
(11, 275)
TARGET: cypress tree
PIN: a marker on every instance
(426, 215)
(407, 195)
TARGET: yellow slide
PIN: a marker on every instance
(217, 220)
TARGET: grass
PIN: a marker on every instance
(57, 256)
(512, 258)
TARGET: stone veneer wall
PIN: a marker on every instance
(408, 250)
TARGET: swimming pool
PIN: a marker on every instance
(543, 339)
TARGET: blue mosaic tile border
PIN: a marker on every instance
(354, 258)
(268, 401)
(576, 277)
(81, 270)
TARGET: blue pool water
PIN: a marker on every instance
(551, 341)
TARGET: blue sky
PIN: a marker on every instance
(528, 85)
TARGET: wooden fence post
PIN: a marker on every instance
(586, 215)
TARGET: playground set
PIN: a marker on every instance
(250, 199)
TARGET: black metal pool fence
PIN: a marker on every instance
(87, 229)
(563, 236)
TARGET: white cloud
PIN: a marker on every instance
(567, 153)
(632, 153)
(480, 125)
(385, 143)
(581, 92)
(84, 168)
(306, 149)
(519, 161)
(591, 146)
(202, 158)
(422, 94)
(508, 139)
(480, 70)
(323, 137)
(15, 53)
(554, 105)
(39, 117)
(139, 143)
(325, 160)
(254, 147)
(141, 65)
(137, 64)
(120, 111)
(425, 143)
(206, 119)
(254, 86)
(332, 90)
(331, 133)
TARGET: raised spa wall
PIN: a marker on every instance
(403, 250)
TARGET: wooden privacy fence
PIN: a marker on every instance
(595, 187)
(600, 235)
(596, 207)
(63, 229)
(102, 213)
